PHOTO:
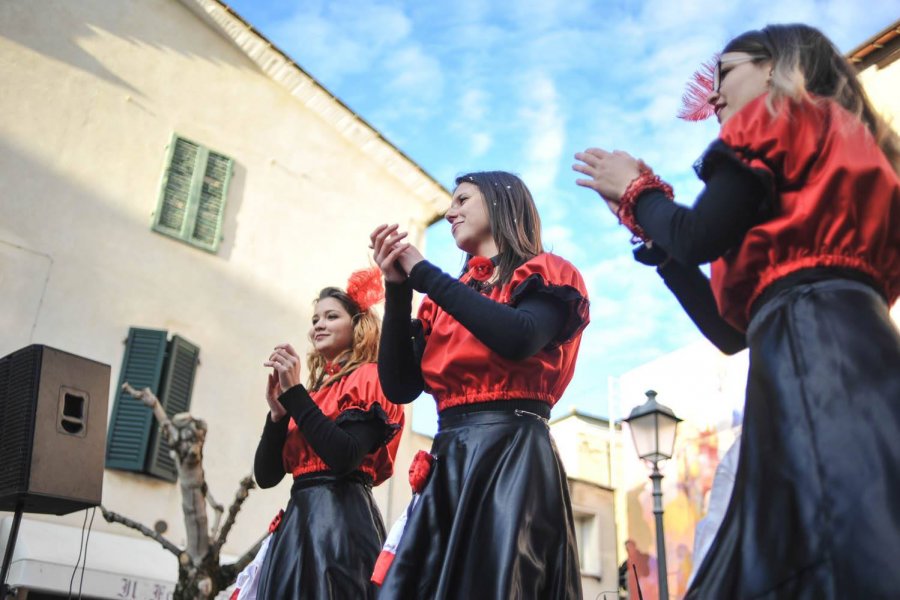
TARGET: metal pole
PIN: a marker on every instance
(10, 547)
(656, 476)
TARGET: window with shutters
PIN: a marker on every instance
(167, 367)
(193, 194)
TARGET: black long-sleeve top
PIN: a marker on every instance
(513, 332)
(342, 446)
(734, 200)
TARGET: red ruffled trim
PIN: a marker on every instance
(776, 272)
(640, 184)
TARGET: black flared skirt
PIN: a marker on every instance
(327, 542)
(494, 521)
(815, 512)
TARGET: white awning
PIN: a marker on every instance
(117, 566)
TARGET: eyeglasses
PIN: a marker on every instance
(717, 74)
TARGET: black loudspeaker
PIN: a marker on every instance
(53, 408)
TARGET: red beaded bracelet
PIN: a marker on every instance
(640, 184)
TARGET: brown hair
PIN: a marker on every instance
(366, 335)
(805, 62)
(514, 219)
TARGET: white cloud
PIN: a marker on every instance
(473, 104)
(415, 77)
(560, 239)
(481, 143)
(337, 39)
(545, 130)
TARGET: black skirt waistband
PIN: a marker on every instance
(308, 480)
(812, 275)
(498, 411)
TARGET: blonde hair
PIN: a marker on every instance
(806, 63)
(363, 349)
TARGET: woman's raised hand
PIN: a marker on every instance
(409, 258)
(286, 363)
(388, 245)
(609, 172)
(273, 391)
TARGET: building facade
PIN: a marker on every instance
(175, 191)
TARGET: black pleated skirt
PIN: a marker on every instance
(494, 521)
(815, 512)
(327, 542)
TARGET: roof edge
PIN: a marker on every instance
(884, 44)
(282, 69)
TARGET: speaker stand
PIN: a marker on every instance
(10, 547)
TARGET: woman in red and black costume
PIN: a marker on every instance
(800, 217)
(337, 437)
(496, 349)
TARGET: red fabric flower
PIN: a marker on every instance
(419, 470)
(332, 368)
(481, 268)
(273, 526)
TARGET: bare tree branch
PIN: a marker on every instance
(218, 509)
(186, 436)
(200, 574)
(112, 517)
(149, 398)
(247, 484)
(231, 571)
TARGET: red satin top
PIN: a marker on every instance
(349, 398)
(837, 202)
(459, 369)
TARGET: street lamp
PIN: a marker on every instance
(653, 430)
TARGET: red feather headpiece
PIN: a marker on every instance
(694, 105)
(366, 288)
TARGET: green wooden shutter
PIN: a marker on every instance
(211, 203)
(175, 396)
(132, 421)
(175, 201)
(194, 190)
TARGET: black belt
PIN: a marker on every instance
(538, 407)
(812, 275)
(324, 477)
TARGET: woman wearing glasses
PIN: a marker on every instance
(800, 218)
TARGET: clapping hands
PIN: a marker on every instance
(285, 363)
(394, 257)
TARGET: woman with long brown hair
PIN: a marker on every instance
(496, 348)
(337, 437)
(800, 217)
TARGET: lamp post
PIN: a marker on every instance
(653, 430)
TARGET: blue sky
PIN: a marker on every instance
(523, 85)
